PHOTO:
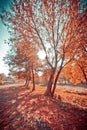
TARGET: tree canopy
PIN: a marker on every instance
(55, 26)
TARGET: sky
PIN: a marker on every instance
(4, 48)
(3, 37)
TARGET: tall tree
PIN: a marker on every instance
(53, 25)
(76, 70)
(20, 63)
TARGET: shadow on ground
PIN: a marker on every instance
(22, 110)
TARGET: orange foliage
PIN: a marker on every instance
(57, 27)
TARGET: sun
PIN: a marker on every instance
(41, 55)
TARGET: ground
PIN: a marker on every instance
(21, 109)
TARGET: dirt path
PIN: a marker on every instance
(22, 110)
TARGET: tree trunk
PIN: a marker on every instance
(33, 79)
(27, 82)
(50, 83)
(28, 77)
(55, 82)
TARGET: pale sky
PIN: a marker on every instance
(3, 48)
(3, 37)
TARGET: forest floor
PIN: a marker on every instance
(21, 109)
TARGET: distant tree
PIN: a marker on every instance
(20, 63)
(30, 52)
(54, 26)
(19, 74)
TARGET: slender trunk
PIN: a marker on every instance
(50, 83)
(55, 82)
(27, 79)
(27, 82)
(57, 76)
(33, 79)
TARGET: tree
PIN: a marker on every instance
(76, 70)
(54, 26)
(22, 63)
